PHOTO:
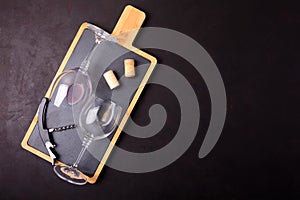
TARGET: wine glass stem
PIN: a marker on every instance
(86, 62)
(83, 149)
(86, 142)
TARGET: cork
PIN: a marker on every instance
(129, 68)
(111, 79)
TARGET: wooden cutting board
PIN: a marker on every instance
(125, 31)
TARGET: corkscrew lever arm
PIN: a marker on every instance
(43, 131)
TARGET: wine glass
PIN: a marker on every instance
(94, 117)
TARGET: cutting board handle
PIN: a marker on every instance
(128, 25)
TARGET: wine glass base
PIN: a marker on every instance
(70, 174)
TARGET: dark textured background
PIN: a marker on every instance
(256, 48)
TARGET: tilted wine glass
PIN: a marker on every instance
(95, 118)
